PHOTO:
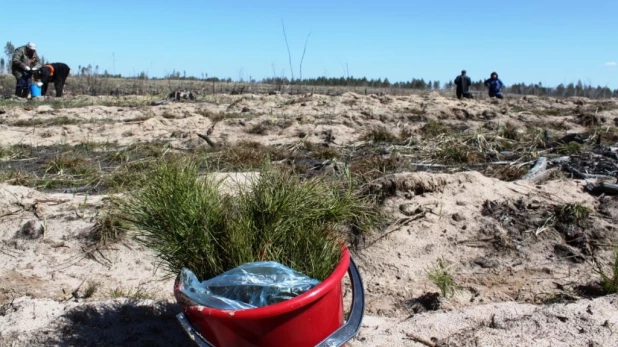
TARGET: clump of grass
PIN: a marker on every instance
(371, 167)
(259, 129)
(107, 229)
(379, 134)
(440, 275)
(609, 281)
(508, 173)
(136, 294)
(435, 128)
(244, 155)
(570, 148)
(91, 289)
(456, 153)
(509, 131)
(71, 164)
(189, 223)
(572, 213)
(325, 153)
(548, 112)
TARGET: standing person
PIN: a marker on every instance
(494, 85)
(463, 82)
(24, 59)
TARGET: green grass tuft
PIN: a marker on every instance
(439, 274)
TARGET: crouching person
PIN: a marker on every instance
(57, 73)
(24, 59)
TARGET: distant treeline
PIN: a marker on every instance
(571, 89)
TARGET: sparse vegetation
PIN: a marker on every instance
(91, 289)
(435, 128)
(440, 275)
(380, 134)
(570, 148)
(572, 213)
(107, 229)
(609, 281)
(44, 122)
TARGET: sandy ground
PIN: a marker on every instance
(504, 291)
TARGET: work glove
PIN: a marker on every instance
(27, 68)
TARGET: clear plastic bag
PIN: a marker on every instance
(248, 286)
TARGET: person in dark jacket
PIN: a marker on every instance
(57, 73)
(24, 60)
(463, 82)
(494, 85)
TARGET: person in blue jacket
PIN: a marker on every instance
(494, 85)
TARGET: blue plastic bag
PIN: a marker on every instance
(250, 285)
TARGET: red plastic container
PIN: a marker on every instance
(305, 320)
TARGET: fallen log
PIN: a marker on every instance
(539, 167)
(602, 188)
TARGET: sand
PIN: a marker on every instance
(43, 280)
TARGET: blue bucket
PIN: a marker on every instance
(35, 90)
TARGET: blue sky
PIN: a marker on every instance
(524, 41)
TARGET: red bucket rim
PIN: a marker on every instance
(283, 307)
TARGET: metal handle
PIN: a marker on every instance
(336, 339)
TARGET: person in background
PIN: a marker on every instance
(24, 60)
(494, 85)
(463, 82)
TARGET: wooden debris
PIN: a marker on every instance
(208, 140)
(580, 175)
(602, 188)
(414, 337)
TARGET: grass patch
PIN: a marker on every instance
(107, 229)
(71, 164)
(54, 121)
(371, 167)
(456, 153)
(440, 275)
(548, 112)
(435, 128)
(259, 129)
(572, 213)
(609, 280)
(189, 223)
(244, 155)
(380, 134)
(509, 131)
(91, 288)
(570, 148)
(508, 173)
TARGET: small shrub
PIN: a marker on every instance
(572, 213)
(439, 274)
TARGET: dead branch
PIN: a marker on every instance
(208, 140)
(580, 175)
(419, 339)
(538, 169)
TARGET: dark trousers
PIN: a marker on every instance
(496, 95)
(461, 94)
(21, 88)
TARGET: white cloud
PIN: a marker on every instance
(611, 63)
